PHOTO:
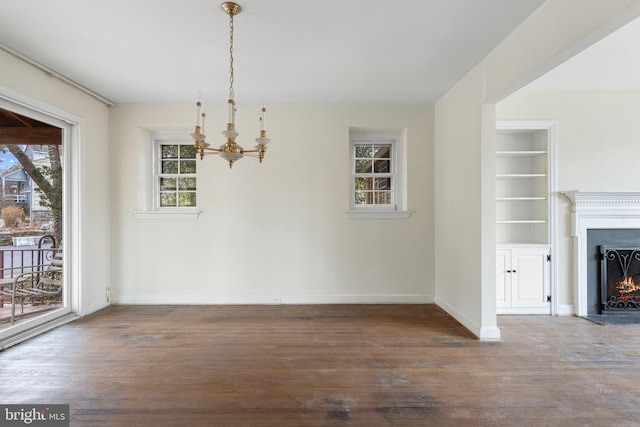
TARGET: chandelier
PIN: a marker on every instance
(230, 151)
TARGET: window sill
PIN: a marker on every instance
(377, 214)
(183, 215)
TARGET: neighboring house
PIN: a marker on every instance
(39, 155)
(18, 189)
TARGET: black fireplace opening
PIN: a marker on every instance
(611, 238)
(619, 279)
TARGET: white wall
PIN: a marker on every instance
(598, 150)
(275, 232)
(458, 200)
(90, 198)
(465, 183)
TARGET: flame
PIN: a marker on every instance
(627, 286)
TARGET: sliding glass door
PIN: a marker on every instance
(34, 284)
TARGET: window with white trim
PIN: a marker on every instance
(176, 177)
(377, 176)
(373, 174)
(173, 172)
(170, 181)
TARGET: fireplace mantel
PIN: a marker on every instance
(597, 210)
(599, 198)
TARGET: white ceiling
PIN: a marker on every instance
(286, 51)
(612, 63)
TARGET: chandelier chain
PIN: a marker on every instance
(231, 93)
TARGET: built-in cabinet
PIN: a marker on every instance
(523, 218)
(523, 280)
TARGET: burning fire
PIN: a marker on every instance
(627, 286)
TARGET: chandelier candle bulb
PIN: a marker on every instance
(198, 105)
(233, 116)
(204, 116)
(263, 111)
(230, 111)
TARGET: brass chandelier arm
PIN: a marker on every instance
(211, 149)
(218, 150)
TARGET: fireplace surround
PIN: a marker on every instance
(597, 211)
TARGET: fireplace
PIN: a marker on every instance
(594, 213)
(620, 279)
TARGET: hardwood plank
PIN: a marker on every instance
(338, 365)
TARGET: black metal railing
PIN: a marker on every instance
(15, 261)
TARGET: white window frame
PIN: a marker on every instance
(397, 208)
(72, 292)
(154, 210)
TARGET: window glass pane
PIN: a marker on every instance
(169, 166)
(188, 166)
(363, 166)
(382, 166)
(187, 199)
(364, 151)
(167, 199)
(364, 184)
(383, 197)
(383, 183)
(167, 184)
(383, 151)
(169, 151)
(363, 197)
(187, 152)
(187, 184)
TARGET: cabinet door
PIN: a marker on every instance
(503, 278)
(530, 277)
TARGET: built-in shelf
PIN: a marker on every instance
(522, 185)
(520, 153)
(517, 199)
(521, 221)
(522, 212)
(521, 175)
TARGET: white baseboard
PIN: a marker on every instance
(562, 310)
(566, 310)
(524, 311)
(484, 333)
(490, 333)
(267, 299)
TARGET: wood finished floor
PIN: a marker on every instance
(339, 365)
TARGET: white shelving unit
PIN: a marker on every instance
(522, 208)
(523, 212)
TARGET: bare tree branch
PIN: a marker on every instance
(52, 190)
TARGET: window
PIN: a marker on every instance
(171, 179)
(373, 174)
(377, 180)
(177, 175)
